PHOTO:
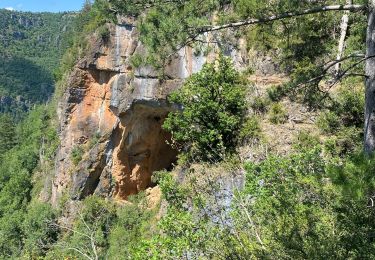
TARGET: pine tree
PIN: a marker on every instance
(7, 134)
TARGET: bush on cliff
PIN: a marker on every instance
(212, 112)
(299, 206)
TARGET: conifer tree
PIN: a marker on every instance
(7, 134)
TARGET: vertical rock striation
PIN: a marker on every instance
(114, 112)
(123, 107)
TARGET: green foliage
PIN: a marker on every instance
(355, 181)
(275, 93)
(345, 141)
(179, 237)
(104, 32)
(298, 206)
(186, 226)
(251, 129)
(349, 104)
(308, 93)
(298, 222)
(30, 49)
(278, 114)
(133, 225)
(310, 215)
(21, 76)
(308, 205)
(137, 60)
(90, 231)
(247, 72)
(40, 229)
(16, 169)
(260, 104)
(328, 122)
(305, 140)
(260, 37)
(168, 25)
(94, 140)
(7, 134)
(346, 110)
(172, 192)
(92, 18)
(77, 153)
(212, 111)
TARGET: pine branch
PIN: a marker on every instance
(352, 8)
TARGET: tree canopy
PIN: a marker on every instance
(212, 104)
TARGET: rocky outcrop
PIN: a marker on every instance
(124, 107)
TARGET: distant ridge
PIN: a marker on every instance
(31, 45)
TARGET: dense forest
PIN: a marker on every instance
(253, 179)
(31, 46)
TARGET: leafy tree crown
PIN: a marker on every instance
(212, 110)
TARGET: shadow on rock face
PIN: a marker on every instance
(141, 148)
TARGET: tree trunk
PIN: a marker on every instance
(369, 131)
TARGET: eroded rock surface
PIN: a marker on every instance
(122, 106)
(114, 112)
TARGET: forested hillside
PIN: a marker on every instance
(194, 129)
(31, 46)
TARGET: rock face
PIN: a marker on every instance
(111, 115)
(114, 113)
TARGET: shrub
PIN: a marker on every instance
(39, 229)
(346, 141)
(77, 154)
(94, 140)
(173, 193)
(132, 225)
(278, 114)
(305, 140)
(260, 104)
(136, 60)
(7, 134)
(298, 206)
(104, 32)
(87, 237)
(212, 111)
(248, 71)
(251, 129)
(291, 209)
(350, 104)
(302, 203)
(16, 183)
(275, 93)
(328, 122)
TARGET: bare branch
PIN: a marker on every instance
(329, 65)
(352, 8)
(72, 230)
(64, 247)
(345, 73)
(251, 222)
(83, 221)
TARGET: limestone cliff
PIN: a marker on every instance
(114, 112)
(121, 106)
